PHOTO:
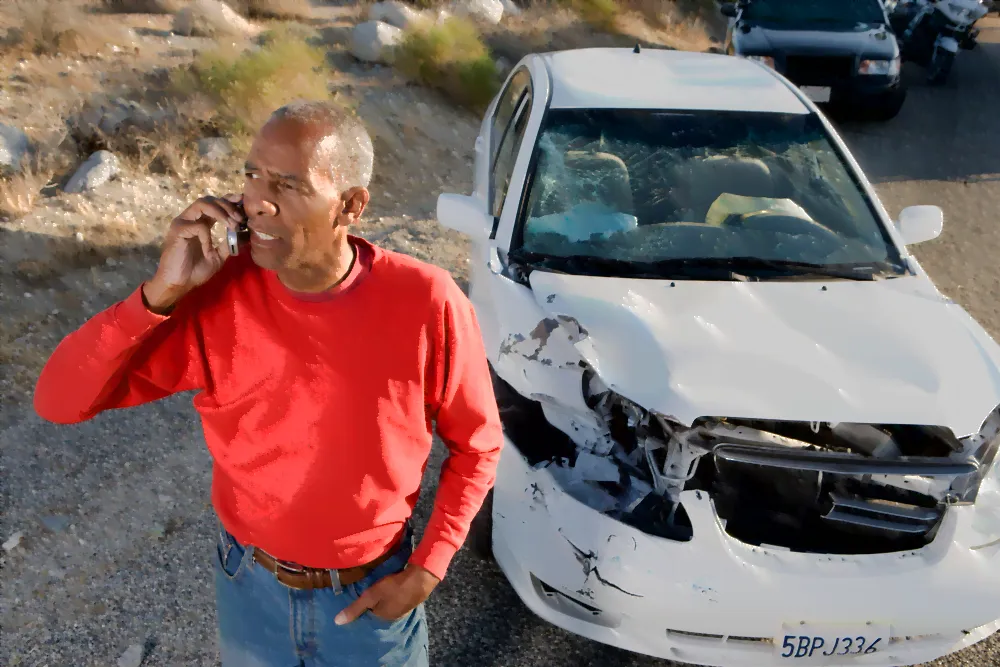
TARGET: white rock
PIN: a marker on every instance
(394, 13)
(510, 8)
(132, 657)
(373, 41)
(13, 541)
(490, 11)
(13, 147)
(211, 18)
(99, 168)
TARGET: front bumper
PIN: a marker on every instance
(717, 601)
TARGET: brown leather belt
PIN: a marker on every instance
(308, 578)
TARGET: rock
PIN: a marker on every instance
(214, 149)
(212, 18)
(13, 541)
(132, 657)
(99, 168)
(510, 8)
(372, 41)
(107, 118)
(14, 145)
(490, 11)
(394, 13)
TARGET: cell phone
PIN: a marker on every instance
(234, 237)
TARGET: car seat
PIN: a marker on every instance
(696, 184)
(589, 176)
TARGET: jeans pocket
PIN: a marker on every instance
(230, 555)
(395, 564)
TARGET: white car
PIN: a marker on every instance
(742, 425)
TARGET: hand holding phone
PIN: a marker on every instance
(241, 233)
(185, 264)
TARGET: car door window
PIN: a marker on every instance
(510, 144)
(506, 108)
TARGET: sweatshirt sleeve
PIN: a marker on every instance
(123, 356)
(468, 422)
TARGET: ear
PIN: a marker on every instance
(355, 201)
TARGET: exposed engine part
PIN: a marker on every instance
(803, 486)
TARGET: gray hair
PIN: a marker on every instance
(345, 147)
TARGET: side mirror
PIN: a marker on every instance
(917, 224)
(464, 214)
(728, 9)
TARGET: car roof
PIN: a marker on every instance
(665, 79)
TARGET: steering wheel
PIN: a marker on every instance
(827, 241)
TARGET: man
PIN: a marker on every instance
(320, 362)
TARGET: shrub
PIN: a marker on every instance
(245, 86)
(600, 14)
(48, 27)
(451, 57)
(273, 9)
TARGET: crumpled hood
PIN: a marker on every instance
(872, 43)
(892, 351)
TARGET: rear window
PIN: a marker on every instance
(830, 12)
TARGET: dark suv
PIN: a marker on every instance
(841, 53)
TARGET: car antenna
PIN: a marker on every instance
(636, 49)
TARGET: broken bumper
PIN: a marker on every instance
(717, 601)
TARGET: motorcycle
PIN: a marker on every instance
(931, 32)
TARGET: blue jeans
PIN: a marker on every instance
(263, 623)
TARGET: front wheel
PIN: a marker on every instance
(888, 105)
(940, 67)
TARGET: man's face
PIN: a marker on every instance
(296, 214)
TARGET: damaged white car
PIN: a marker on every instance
(742, 425)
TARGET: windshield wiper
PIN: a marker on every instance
(586, 265)
(763, 269)
(697, 268)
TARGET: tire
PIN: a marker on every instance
(887, 106)
(940, 67)
(480, 540)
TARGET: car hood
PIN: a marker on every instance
(893, 351)
(874, 42)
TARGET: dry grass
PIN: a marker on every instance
(20, 192)
(451, 57)
(599, 14)
(245, 86)
(49, 26)
(141, 6)
(553, 26)
(273, 9)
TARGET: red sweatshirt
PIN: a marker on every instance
(317, 411)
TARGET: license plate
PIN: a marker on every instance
(817, 93)
(828, 644)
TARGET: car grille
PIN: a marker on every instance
(814, 502)
(818, 70)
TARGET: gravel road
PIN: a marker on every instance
(116, 526)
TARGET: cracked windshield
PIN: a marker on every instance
(643, 187)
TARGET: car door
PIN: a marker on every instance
(500, 149)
